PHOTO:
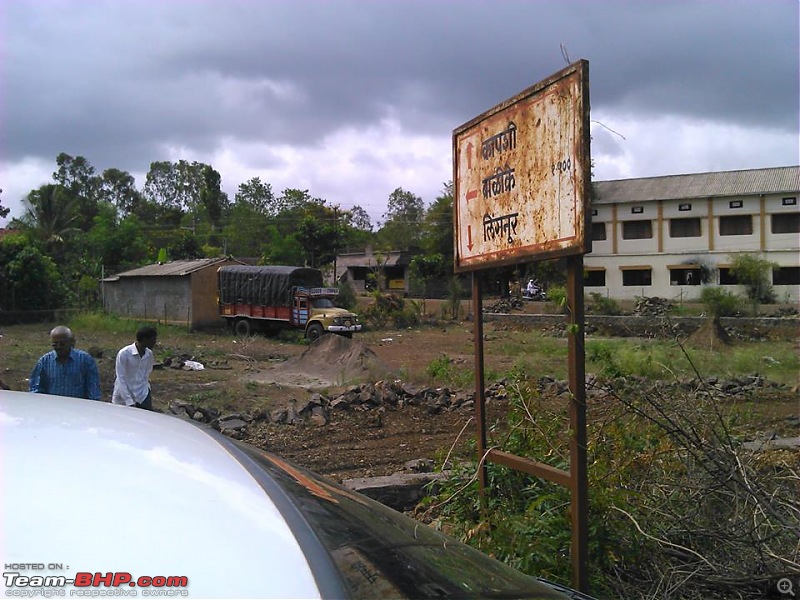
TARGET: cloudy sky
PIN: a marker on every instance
(352, 99)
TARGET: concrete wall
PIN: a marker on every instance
(649, 326)
(162, 299)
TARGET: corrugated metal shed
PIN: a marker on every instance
(181, 291)
(173, 268)
(699, 185)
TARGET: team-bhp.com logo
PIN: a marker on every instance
(93, 584)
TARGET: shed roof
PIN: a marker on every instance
(774, 180)
(175, 268)
(368, 259)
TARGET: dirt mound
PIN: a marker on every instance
(331, 360)
(710, 335)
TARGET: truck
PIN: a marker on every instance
(254, 298)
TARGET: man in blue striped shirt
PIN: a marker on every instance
(65, 371)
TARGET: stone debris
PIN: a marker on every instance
(504, 305)
(651, 307)
(377, 397)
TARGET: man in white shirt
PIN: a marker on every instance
(133, 367)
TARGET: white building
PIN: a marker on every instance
(666, 236)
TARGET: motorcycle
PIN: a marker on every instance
(534, 292)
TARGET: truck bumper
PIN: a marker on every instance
(344, 328)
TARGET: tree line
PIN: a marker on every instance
(85, 225)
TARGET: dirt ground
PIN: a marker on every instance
(360, 443)
(367, 443)
(265, 374)
(261, 373)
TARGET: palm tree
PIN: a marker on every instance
(51, 215)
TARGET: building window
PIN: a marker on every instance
(786, 276)
(637, 277)
(726, 277)
(735, 204)
(594, 278)
(786, 223)
(791, 201)
(637, 210)
(637, 230)
(736, 225)
(684, 275)
(683, 228)
(594, 212)
(598, 231)
(684, 207)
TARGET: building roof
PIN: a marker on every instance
(378, 259)
(175, 268)
(775, 180)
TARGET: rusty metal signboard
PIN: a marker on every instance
(521, 176)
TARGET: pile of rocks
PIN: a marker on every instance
(651, 307)
(504, 305)
(377, 396)
(364, 397)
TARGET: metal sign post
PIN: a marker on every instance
(522, 177)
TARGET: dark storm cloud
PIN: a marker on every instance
(121, 82)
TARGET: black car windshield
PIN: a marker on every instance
(377, 551)
(322, 303)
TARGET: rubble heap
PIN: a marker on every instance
(651, 307)
(376, 397)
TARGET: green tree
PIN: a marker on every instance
(753, 273)
(51, 215)
(355, 230)
(119, 189)
(281, 249)
(318, 238)
(403, 221)
(293, 200)
(425, 268)
(184, 246)
(77, 176)
(33, 281)
(437, 232)
(213, 199)
(257, 196)
(161, 185)
(308, 224)
(116, 245)
(359, 218)
(245, 232)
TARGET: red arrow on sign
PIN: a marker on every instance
(469, 237)
(471, 194)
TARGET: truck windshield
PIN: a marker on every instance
(322, 303)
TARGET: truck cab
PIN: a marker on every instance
(314, 310)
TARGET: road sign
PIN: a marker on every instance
(521, 173)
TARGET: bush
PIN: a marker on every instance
(719, 302)
(754, 274)
(388, 309)
(558, 296)
(677, 508)
(601, 305)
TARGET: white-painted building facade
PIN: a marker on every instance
(668, 236)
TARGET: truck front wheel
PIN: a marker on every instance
(242, 328)
(314, 332)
